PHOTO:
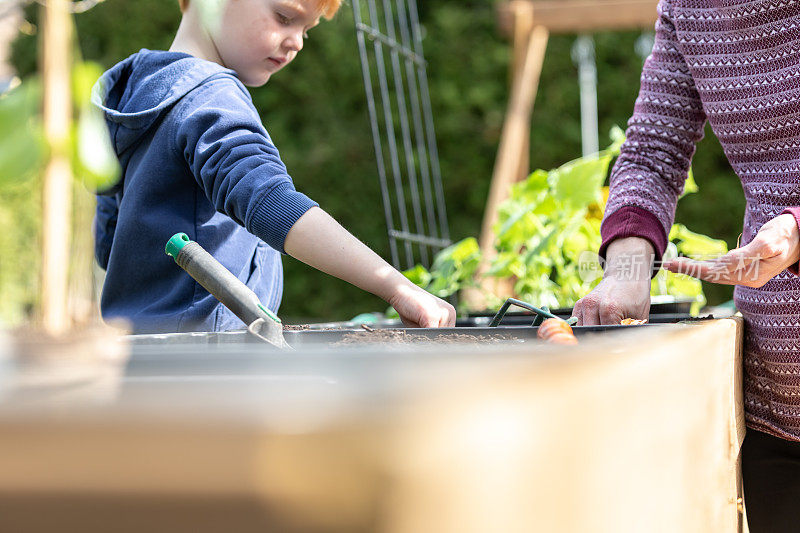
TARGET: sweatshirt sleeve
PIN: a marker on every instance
(234, 161)
(105, 224)
(667, 123)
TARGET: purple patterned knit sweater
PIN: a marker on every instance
(735, 64)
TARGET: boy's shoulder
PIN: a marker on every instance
(155, 78)
(154, 88)
(183, 71)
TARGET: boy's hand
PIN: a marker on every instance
(773, 250)
(421, 309)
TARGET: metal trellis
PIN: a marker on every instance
(402, 129)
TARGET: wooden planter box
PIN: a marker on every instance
(636, 431)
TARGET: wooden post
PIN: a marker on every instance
(57, 197)
(514, 137)
(523, 26)
(512, 159)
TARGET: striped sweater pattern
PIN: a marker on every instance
(736, 65)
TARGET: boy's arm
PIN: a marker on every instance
(319, 241)
(235, 163)
(231, 156)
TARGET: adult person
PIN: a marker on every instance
(735, 64)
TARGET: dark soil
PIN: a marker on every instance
(697, 318)
(298, 327)
(378, 336)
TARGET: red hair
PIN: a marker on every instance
(327, 8)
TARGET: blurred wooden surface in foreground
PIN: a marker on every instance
(633, 432)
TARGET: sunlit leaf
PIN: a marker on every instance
(690, 187)
(578, 183)
(96, 162)
(503, 265)
(461, 252)
(419, 276)
(617, 135)
(84, 75)
(22, 146)
(696, 245)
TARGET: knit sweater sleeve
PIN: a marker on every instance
(233, 159)
(667, 123)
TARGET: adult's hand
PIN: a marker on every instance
(624, 291)
(774, 249)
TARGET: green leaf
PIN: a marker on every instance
(578, 183)
(84, 75)
(617, 135)
(505, 265)
(419, 276)
(546, 225)
(536, 182)
(94, 159)
(19, 106)
(576, 243)
(690, 186)
(460, 252)
(547, 207)
(696, 245)
(22, 146)
(454, 267)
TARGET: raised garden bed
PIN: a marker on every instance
(353, 337)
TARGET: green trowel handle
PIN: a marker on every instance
(217, 280)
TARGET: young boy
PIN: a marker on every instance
(196, 159)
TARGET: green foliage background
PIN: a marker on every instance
(315, 111)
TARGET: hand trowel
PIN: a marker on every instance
(227, 288)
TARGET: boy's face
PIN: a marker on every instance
(256, 38)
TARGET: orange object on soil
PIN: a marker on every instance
(556, 331)
(632, 322)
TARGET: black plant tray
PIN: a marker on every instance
(465, 335)
(660, 313)
(239, 356)
(316, 337)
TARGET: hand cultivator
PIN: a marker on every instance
(541, 314)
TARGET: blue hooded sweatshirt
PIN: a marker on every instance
(195, 159)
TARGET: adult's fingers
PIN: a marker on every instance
(590, 312)
(576, 313)
(730, 269)
(611, 313)
(760, 248)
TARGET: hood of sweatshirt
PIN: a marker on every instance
(137, 92)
